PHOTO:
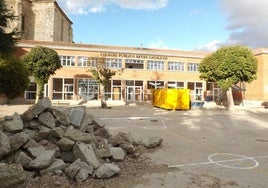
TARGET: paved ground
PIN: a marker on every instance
(203, 148)
(208, 148)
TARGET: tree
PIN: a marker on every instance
(13, 77)
(102, 74)
(42, 62)
(8, 40)
(228, 66)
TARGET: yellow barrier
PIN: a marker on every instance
(175, 99)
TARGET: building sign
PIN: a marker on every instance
(137, 56)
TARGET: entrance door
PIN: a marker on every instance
(134, 93)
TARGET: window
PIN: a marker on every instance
(155, 65)
(30, 92)
(134, 63)
(193, 67)
(155, 84)
(113, 63)
(113, 90)
(67, 60)
(175, 66)
(82, 61)
(177, 85)
(196, 89)
(88, 89)
(63, 88)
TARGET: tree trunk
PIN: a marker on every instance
(230, 99)
(38, 92)
(102, 96)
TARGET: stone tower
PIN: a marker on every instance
(41, 20)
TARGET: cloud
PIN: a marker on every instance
(95, 6)
(158, 43)
(198, 11)
(247, 22)
(210, 46)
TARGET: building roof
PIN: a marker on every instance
(260, 51)
(112, 49)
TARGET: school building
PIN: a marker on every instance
(144, 69)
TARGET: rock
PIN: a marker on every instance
(101, 143)
(43, 133)
(5, 147)
(62, 115)
(46, 139)
(78, 170)
(107, 170)
(152, 142)
(86, 153)
(30, 143)
(18, 140)
(56, 132)
(118, 154)
(57, 164)
(47, 119)
(43, 160)
(14, 123)
(87, 120)
(11, 175)
(103, 153)
(36, 109)
(67, 156)
(52, 146)
(78, 136)
(36, 151)
(115, 140)
(98, 123)
(65, 144)
(76, 116)
(128, 148)
(126, 137)
(102, 132)
(23, 159)
(34, 124)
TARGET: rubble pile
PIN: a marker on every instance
(54, 139)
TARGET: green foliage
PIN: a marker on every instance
(13, 77)
(228, 66)
(102, 75)
(7, 40)
(42, 62)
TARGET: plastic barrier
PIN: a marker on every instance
(173, 99)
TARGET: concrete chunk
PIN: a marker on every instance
(107, 170)
(47, 119)
(76, 116)
(86, 153)
(43, 160)
(36, 109)
(14, 123)
(5, 147)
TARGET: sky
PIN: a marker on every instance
(195, 25)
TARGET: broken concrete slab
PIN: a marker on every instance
(43, 160)
(107, 170)
(86, 153)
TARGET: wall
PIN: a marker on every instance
(41, 20)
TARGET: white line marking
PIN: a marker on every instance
(162, 127)
(219, 162)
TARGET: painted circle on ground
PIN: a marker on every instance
(222, 158)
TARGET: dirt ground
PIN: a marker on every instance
(236, 143)
(132, 168)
